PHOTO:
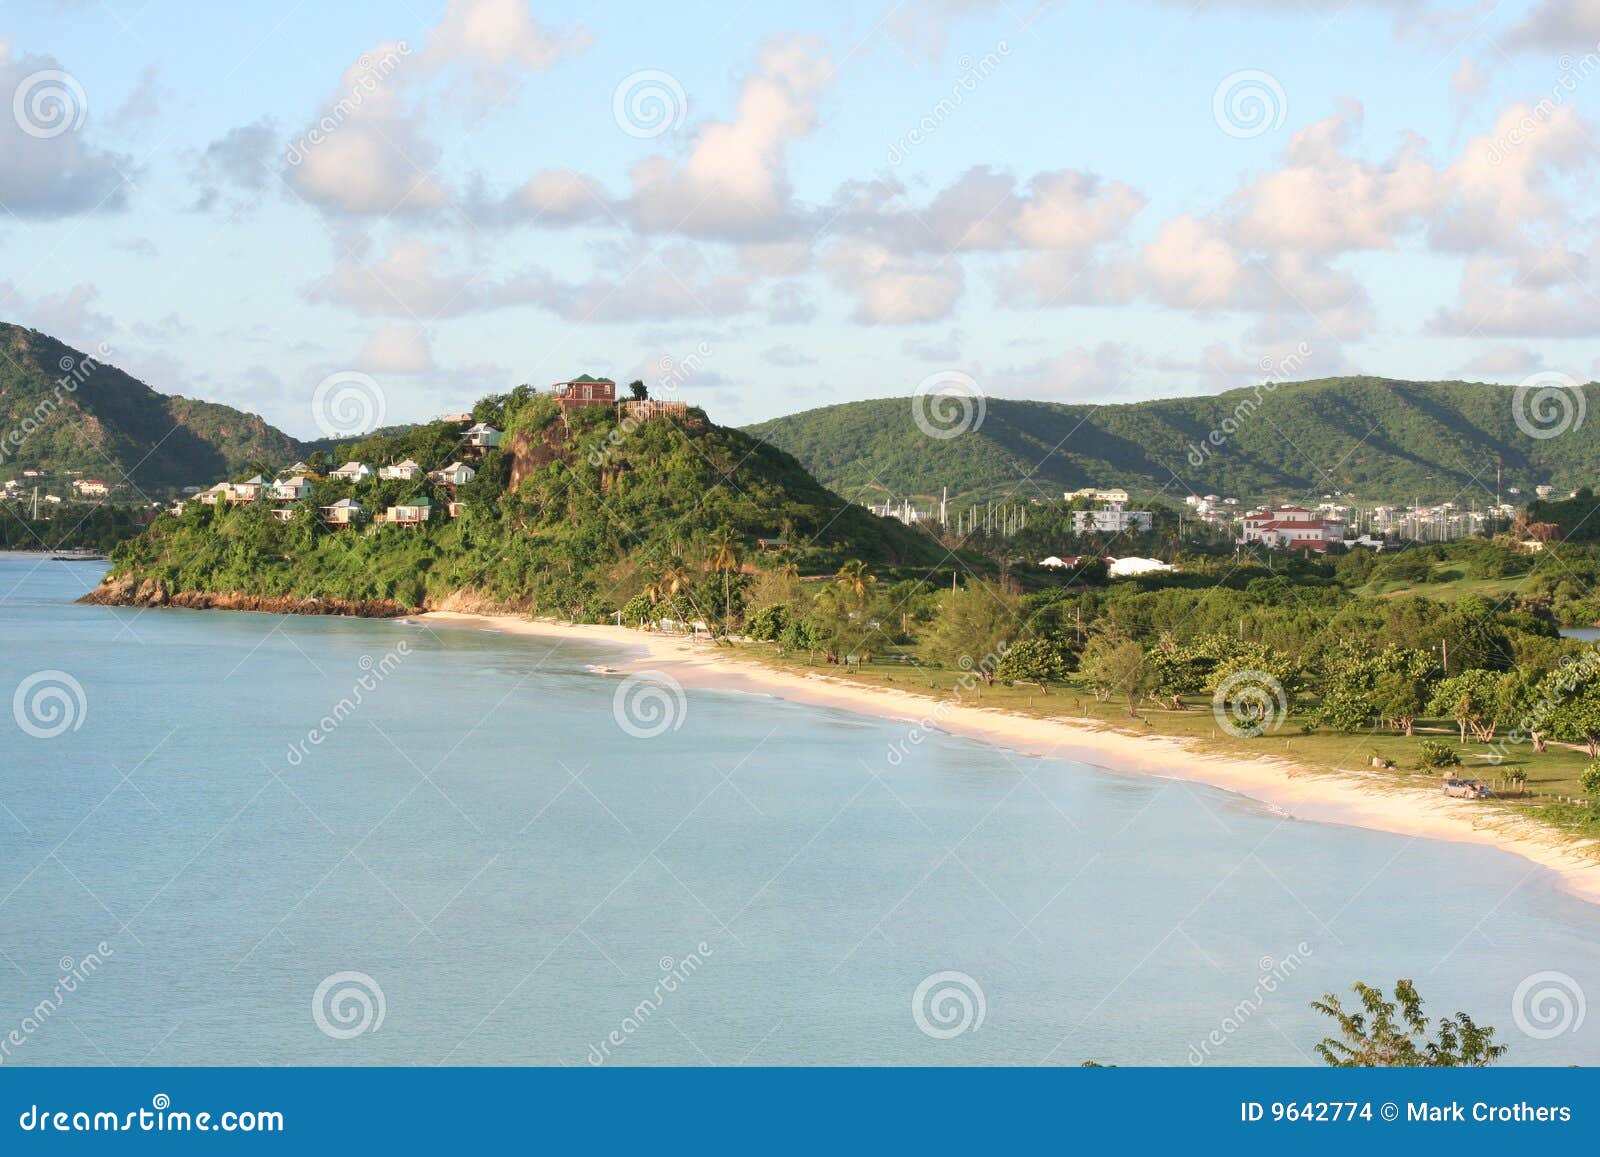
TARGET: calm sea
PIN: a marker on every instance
(264, 840)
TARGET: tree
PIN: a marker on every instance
(1590, 781)
(725, 558)
(1376, 1038)
(973, 628)
(1115, 663)
(854, 580)
(1574, 710)
(1474, 699)
(1400, 690)
(1032, 661)
(638, 391)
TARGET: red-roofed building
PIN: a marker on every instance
(1292, 528)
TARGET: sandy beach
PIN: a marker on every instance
(1300, 792)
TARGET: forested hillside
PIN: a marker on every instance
(1373, 437)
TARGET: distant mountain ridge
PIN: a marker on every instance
(63, 410)
(1377, 438)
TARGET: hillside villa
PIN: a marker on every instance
(353, 472)
(341, 513)
(455, 474)
(407, 471)
(291, 489)
(90, 488)
(1291, 528)
(483, 436)
(413, 513)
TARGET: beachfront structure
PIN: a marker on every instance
(291, 489)
(1291, 528)
(353, 472)
(407, 471)
(455, 474)
(341, 513)
(483, 436)
(413, 513)
(1111, 518)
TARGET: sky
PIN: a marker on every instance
(762, 208)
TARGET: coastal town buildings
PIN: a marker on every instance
(1112, 518)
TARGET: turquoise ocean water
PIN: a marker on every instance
(485, 847)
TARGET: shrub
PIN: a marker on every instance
(1433, 754)
(1590, 781)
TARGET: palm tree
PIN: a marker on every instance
(854, 580)
(725, 558)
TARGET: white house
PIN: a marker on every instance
(342, 512)
(250, 489)
(413, 513)
(455, 474)
(222, 490)
(1123, 567)
(299, 468)
(407, 471)
(483, 436)
(291, 489)
(1111, 519)
(1115, 494)
(1291, 528)
(353, 472)
(91, 488)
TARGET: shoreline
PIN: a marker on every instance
(1301, 792)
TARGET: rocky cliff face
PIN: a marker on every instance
(129, 592)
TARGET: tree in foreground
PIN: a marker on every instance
(1394, 1033)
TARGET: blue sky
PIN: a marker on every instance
(1085, 202)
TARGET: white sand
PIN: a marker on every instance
(1361, 800)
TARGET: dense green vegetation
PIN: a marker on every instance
(1353, 660)
(71, 526)
(61, 411)
(1376, 438)
(603, 512)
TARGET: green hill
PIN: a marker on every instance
(63, 411)
(583, 519)
(1371, 437)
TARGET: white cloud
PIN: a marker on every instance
(1558, 25)
(52, 171)
(1503, 363)
(396, 349)
(734, 183)
(891, 289)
